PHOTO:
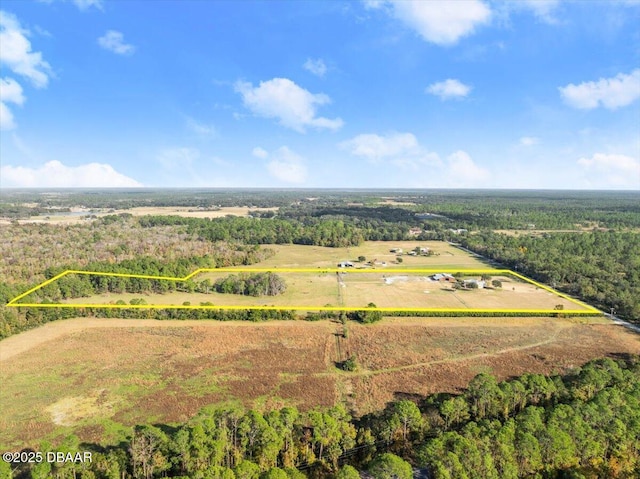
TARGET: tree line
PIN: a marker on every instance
(332, 233)
(601, 267)
(256, 284)
(13, 321)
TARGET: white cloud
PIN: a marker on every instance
(113, 41)
(292, 105)
(286, 165)
(611, 170)
(376, 147)
(543, 9)
(449, 89)
(611, 93)
(16, 52)
(442, 22)
(54, 174)
(317, 67)
(6, 118)
(403, 150)
(42, 32)
(201, 129)
(529, 140)
(463, 172)
(260, 153)
(10, 92)
(86, 4)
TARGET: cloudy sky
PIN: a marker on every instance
(397, 94)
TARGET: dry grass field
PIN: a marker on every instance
(446, 256)
(379, 280)
(79, 215)
(358, 289)
(98, 377)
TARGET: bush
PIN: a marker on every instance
(366, 316)
(349, 364)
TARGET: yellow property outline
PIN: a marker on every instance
(588, 309)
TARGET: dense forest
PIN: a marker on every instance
(473, 209)
(582, 425)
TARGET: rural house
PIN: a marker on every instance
(443, 277)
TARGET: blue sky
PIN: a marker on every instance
(384, 94)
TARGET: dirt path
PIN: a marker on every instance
(622, 322)
(559, 327)
(464, 358)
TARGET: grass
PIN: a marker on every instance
(107, 375)
(384, 289)
(358, 289)
(446, 256)
(97, 377)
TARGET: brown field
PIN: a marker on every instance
(446, 256)
(189, 212)
(97, 377)
(358, 289)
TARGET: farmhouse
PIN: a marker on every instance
(443, 277)
(345, 264)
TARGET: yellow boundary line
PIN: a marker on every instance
(588, 309)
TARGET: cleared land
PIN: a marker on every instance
(445, 255)
(379, 279)
(96, 377)
(80, 215)
(357, 289)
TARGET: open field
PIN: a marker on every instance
(381, 280)
(356, 289)
(445, 255)
(96, 377)
(80, 215)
